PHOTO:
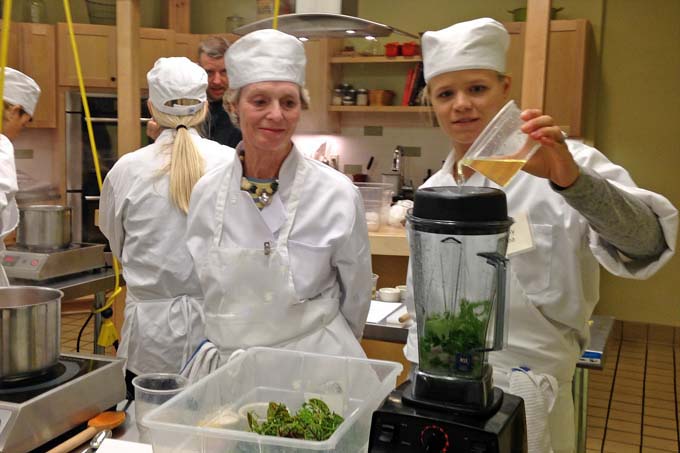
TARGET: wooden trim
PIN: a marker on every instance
(129, 111)
(535, 54)
(378, 59)
(379, 108)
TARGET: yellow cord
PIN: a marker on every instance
(90, 133)
(7, 19)
(275, 22)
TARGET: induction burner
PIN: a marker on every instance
(77, 388)
(23, 263)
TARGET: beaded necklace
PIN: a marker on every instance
(261, 190)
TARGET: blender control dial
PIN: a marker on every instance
(434, 439)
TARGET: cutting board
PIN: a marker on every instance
(123, 446)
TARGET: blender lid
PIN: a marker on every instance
(461, 204)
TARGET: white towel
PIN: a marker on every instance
(539, 392)
(205, 359)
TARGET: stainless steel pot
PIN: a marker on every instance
(44, 227)
(30, 328)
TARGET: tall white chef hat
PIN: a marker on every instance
(176, 78)
(475, 44)
(265, 56)
(21, 90)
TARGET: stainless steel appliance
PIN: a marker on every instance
(458, 238)
(35, 266)
(82, 191)
(77, 388)
(44, 227)
(30, 330)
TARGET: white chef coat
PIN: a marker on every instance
(555, 286)
(163, 312)
(327, 251)
(9, 214)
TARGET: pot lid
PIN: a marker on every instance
(322, 25)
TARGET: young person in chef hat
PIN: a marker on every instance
(584, 211)
(279, 240)
(143, 214)
(20, 96)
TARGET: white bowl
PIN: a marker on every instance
(389, 294)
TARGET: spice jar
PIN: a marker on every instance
(362, 96)
(347, 100)
(337, 97)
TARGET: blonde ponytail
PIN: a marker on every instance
(186, 163)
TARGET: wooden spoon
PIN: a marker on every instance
(105, 420)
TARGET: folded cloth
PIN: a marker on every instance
(539, 392)
(204, 360)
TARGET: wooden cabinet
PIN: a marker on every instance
(565, 73)
(32, 51)
(186, 45)
(97, 51)
(38, 60)
(154, 43)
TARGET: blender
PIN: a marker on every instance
(458, 238)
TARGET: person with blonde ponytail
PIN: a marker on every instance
(143, 212)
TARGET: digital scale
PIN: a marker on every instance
(25, 264)
(34, 411)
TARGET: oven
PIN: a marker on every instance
(82, 191)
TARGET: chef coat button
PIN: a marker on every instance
(233, 200)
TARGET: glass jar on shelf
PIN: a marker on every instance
(362, 96)
(336, 99)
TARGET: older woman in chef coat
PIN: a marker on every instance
(143, 214)
(20, 97)
(583, 210)
(279, 241)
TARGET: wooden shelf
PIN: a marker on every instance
(376, 59)
(389, 241)
(379, 108)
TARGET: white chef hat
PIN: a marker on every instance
(21, 90)
(475, 44)
(176, 78)
(265, 56)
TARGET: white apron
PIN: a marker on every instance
(10, 219)
(250, 298)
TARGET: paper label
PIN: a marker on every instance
(521, 239)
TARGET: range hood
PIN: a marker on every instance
(323, 25)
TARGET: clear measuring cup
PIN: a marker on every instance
(501, 150)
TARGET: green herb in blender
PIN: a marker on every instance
(314, 421)
(453, 343)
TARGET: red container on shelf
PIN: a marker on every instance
(392, 49)
(409, 49)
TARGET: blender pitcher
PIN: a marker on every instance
(458, 239)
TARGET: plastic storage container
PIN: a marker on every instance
(377, 200)
(353, 388)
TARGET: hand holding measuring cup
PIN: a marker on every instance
(555, 162)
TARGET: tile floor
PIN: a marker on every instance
(632, 403)
(73, 317)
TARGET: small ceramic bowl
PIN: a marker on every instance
(402, 292)
(389, 294)
(258, 409)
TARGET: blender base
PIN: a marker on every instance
(494, 401)
(398, 427)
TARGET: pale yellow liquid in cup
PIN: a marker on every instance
(499, 170)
